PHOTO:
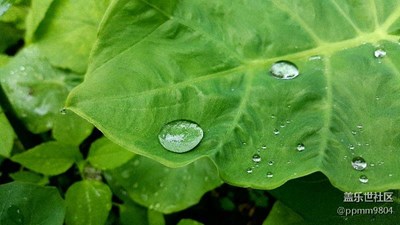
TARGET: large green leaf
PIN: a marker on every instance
(281, 214)
(209, 62)
(36, 15)
(67, 33)
(35, 89)
(28, 204)
(160, 188)
(88, 203)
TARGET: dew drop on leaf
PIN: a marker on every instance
(358, 163)
(363, 179)
(249, 170)
(284, 70)
(180, 136)
(300, 147)
(270, 174)
(276, 131)
(264, 147)
(271, 163)
(63, 111)
(256, 158)
(379, 53)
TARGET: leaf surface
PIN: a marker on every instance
(28, 204)
(209, 62)
(88, 202)
(160, 188)
(7, 136)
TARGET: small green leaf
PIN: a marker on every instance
(189, 222)
(29, 204)
(155, 218)
(35, 89)
(71, 129)
(132, 213)
(7, 136)
(104, 154)
(73, 24)
(282, 215)
(50, 158)
(29, 177)
(88, 203)
(164, 189)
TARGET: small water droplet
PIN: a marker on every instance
(359, 163)
(379, 53)
(314, 57)
(390, 175)
(264, 147)
(271, 163)
(256, 158)
(300, 147)
(360, 127)
(270, 175)
(353, 132)
(377, 98)
(63, 111)
(363, 179)
(288, 121)
(273, 116)
(180, 136)
(351, 147)
(22, 68)
(372, 164)
(249, 170)
(282, 125)
(284, 70)
(276, 131)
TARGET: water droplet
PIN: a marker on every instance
(363, 179)
(270, 174)
(273, 116)
(264, 147)
(372, 164)
(360, 127)
(276, 131)
(314, 57)
(63, 111)
(353, 132)
(180, 136)
(22, 68)
(359, 163)
(390, 175)
(256, 158)
(379, 53)
(249, 170)
(300, 147)
(271, 163)
(284, 70)
(351, 147)
(282, 125)
(288, 121)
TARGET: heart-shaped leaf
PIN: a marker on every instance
(281, 89)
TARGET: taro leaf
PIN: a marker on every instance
(160, 188)
(7, 136)
(70, 129)
(104, 154)
(88, 202)
(155, 218)
(35, 89)
(131, 213)
(208, 62)
(281, 214)
(29, 204)
(49, 158)
(68, 32)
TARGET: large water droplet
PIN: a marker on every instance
(358, 163)
(256, 158)
(300, 147)
(180, 136)
(380, 53)
(363, 179)
(284, 70)
(270, 174)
